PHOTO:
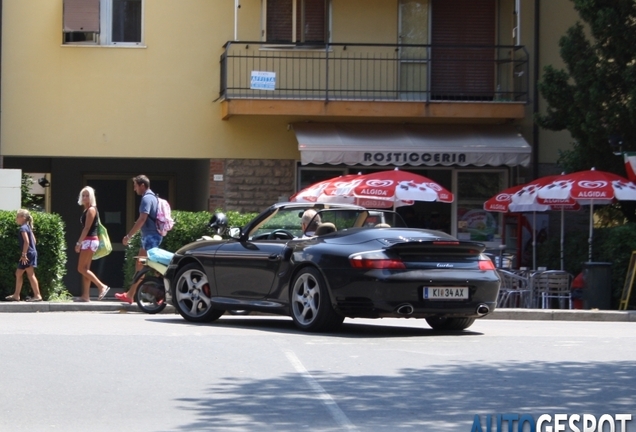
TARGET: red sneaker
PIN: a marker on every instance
(123, 297)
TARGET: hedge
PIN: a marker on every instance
(51, 247)
(188, 227)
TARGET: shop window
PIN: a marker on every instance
(473, 222)
(103, 22)
(309, 176)
(303, 21)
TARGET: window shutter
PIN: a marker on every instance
(459, 72)
(81, 16)
(279, 20)
(314, 30)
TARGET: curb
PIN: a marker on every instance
(563, 315)
(499, 314)
(94, 306)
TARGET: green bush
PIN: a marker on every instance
(236, 219)
(616, 247)
(51, 247)
(613, 245)
(188, 227)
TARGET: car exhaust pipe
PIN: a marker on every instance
(482, 310)
(405, 309)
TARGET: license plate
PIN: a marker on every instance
(445, 293)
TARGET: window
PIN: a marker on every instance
(303, 21)
(103, 22)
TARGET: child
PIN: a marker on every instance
(29, 258)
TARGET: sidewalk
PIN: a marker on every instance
(500, 314)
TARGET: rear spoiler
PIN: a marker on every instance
(446, 245)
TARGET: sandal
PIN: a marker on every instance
(103, 293)
(11, 298)
(34, 299)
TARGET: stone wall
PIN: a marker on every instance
(250, 185)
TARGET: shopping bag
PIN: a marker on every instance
(104, 242)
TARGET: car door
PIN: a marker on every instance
(247, 269)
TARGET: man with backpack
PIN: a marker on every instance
(147, 223)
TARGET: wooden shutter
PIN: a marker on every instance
(81, 16)
(460, 72)
(314, 29)
(279, 20)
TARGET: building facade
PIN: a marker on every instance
(237, 104)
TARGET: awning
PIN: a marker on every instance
(399, 144)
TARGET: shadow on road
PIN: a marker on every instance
(439, 398)
(349, 329)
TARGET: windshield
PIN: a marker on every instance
(288, 223)
(345, 219)
(283, 219)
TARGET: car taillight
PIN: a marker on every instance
(375, 260)
(486, 264)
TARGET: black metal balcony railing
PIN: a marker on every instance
(376, 72)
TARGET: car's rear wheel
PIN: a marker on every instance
(192, 295)
(443, 323)
(311, 307)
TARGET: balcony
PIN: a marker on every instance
(488, 83)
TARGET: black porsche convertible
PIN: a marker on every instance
(357, 263)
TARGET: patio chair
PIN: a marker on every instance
(515, 291)
(551, 285)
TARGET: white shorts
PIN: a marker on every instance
(91, 244)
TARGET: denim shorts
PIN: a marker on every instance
(150, 241)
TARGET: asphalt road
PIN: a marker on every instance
(84, 371)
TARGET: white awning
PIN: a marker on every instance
(398, 144)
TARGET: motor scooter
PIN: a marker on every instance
(153, 294)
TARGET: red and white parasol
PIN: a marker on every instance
(382, 189)
(326, 190)
(588, 188)
(523, 198)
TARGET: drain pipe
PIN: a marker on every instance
(535, 102)
(1, 161)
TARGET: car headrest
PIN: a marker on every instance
(325, 228)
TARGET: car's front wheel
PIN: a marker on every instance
(192, 295)
(311, 307)
(443, 323)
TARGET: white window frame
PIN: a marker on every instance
(106, 22)
(105, 36)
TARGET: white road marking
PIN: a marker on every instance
(338, 415)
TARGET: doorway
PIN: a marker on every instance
(463, 54)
